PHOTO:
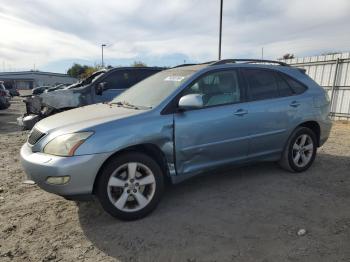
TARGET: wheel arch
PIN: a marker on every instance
(315, 127)
(147, 148)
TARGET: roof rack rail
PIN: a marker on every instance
(205, 63)
(226, 61)
(184, 65)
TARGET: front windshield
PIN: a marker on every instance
(153, 90)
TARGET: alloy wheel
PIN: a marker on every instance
(302, 150)
(131, 187)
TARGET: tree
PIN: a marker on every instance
(76, 70)
(88, 72)
(288, 56)
(81, 71)
(138, 64)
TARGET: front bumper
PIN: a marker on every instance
(82, 171)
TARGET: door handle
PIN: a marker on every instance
(294, 104)
(240, 112)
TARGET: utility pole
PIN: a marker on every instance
(262, 53)
(220, 30)
(102, 46)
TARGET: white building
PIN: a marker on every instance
(32, 79)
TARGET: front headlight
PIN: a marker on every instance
(66, 145)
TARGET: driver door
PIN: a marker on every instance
(216, 134)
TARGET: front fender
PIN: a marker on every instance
(144, 129)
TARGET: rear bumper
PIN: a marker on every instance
(325, 128)
(82, 171)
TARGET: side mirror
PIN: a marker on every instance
(100, 87)
(192, 101)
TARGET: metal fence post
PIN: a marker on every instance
(334, 85)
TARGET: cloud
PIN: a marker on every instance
(49, 32)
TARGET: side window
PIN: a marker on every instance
(141, 74)
(217, 88)
(296, 86)
(283, 88)
(117, 80)
(262, 84)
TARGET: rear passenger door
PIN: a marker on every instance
(269, 112)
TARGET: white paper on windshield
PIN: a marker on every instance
(174, 78)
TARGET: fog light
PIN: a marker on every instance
(58, 180)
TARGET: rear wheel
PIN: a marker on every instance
(300, 150)
(130, 186)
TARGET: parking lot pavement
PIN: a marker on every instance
(246, 214)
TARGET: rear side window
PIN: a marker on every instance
(295, 86)
(141, 74)
(262, 84)
(118, 80)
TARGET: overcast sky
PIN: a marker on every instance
(54, 34)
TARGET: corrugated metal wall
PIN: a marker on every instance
(333, 73)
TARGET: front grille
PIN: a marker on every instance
(35, 136)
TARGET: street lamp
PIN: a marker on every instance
(220, 30)
(102, 46)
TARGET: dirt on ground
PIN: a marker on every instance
(254, 213)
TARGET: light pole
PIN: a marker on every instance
(102, 46)
(220, 30)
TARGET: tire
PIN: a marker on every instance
(130, 186)
(297, 157)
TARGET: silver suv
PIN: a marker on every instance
(177, 124)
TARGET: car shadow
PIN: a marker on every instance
(242, 213)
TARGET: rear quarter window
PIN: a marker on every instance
(297, 87)
(283, 88)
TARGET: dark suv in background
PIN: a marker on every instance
(11, 89)
(101, 86)
(4, 97)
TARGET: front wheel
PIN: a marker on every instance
(130, 186)
(300, 150)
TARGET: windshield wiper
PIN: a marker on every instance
(128, 105)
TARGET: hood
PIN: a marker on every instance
(62, 98)
(85, 117)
